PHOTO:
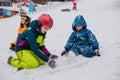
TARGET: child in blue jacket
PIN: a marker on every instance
(30, 48)
(82, 40)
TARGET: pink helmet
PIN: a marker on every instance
(46, 20)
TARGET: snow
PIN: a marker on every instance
(103, 18)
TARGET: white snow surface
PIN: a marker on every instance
(103, 19)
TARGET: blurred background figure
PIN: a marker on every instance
(31, 8)
(74, 3)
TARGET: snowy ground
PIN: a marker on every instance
(103, 18)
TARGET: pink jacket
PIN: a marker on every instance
(74, 1)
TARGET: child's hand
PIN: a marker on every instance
(51, 63)
(97, 52)
(64, 53)
(53, 56)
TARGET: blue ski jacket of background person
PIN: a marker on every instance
(31, 8)
(82, 42)
(28, 41)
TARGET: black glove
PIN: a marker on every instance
(64, 53)
(97, 52)
(51, 63)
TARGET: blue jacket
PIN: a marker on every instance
(28, 41)
(81, 41)
(31, 8)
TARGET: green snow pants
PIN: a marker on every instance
(26, 59)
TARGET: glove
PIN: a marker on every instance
(64, 53)
(97, 52)
(51, 63)
(53, 56)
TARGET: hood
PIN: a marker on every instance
(32, 24)
(79, 21)
(35, 25)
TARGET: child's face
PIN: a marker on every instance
(22, 21)
(79, 27)
(44, 29)
(23, 14)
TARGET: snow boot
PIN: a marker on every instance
(9, 60)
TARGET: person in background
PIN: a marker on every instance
(30, 47)
(74, 5)
(25, 21)
(82, 40)
(31, 8)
